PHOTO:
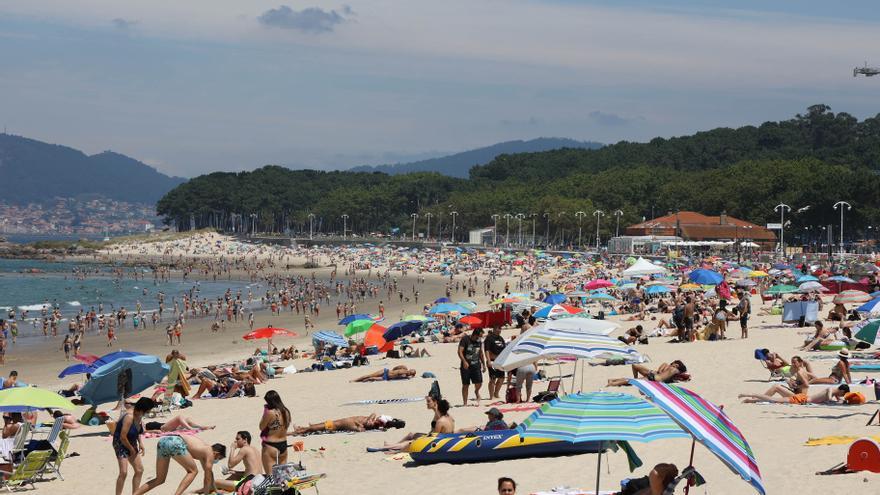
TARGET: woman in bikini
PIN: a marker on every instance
(273, 431)
(442, 423)
(827, 395)
(351, 423)
(839, 372)
(665, 373)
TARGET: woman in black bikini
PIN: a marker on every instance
(273, 431)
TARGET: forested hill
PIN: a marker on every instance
(35, 172)
(459, 164)
(814, 159)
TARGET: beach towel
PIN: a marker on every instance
(865, 367)
(520, 408)
(384, 401)
(835, 440)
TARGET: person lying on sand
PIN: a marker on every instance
(176, 423)
(399, 372)
(442, 423)
(666, 373)
(823, 336)
(351, 423)
(224, 388)
(825, 396)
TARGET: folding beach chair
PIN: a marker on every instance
(28, 471)
(19, 443)
(54, 463)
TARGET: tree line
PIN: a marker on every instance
(809, 162)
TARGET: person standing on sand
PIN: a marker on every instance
(273, 431)
(743, 309)
(493, 346)
(128, 443)
(470, 355)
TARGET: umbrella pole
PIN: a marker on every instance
(687, 485)
(599, 467)
(574, 375)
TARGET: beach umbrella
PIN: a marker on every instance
(444, 308)
(442, 300)
(361, 316)
(690, 287)
(657, 289)
(80, 369)
(555, 298)
(708, 424)
(268, 333)
(806, 278)
(373, 338)
(872, 306)
(601, 296)
(577, 293)
(86, 358)
(811, 286)
(841, 279)
(583, 325)
(471, 305)
(758, 274)
(781, 289)
(867, 331)
(358, 326)
(851, 297)
(329, 337)
(598, 284)
(643, 267)
(27, 399)
(123, 378)
(746, 283)
(417, 318)
(401, 329)
(556, 310)
(600, 417)
(545, 341)
(703, 276)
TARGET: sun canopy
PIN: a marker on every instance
(643, 267)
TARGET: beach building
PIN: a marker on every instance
(696, 227)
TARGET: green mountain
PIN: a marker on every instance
(814, 159)
(35, 172)
(459, 164)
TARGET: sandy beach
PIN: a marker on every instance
(719, 370)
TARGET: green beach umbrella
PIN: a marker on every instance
(868, 332)
(781, 289)
(358, 326)
(415, 318)
(25, 399)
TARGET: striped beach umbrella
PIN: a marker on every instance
(872, 306)
(329, 337)
(600, 416)
(811, 286)
(781, 289)
(709, 425)
(544, 341)
(557, 310)
(867, 331)
(851, 296)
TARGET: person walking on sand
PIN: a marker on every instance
(128, 444)
(470, 355)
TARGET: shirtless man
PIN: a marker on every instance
(351, 423)
(399, 372)
(826, 395)
(665, 373)
(240, 451)
(189, 451)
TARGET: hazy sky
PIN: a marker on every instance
(192, 86)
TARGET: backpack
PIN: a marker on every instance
(512, 395)
(678, 316)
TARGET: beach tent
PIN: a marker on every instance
(643, 267)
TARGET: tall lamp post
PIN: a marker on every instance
(561, 227)
(311, 225)
(454, 214)
(599, 214)
(618, 214)
(344, 225)
(841, 204)
(781, 208)
(580, 216)
(519, 217)
(533, 216)
(414, 217)
(507, 216)
(547, 232)
(428, 232)
(495, 231)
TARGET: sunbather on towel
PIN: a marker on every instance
(351, 423)
(176, 423)
(827, 395)
(399, 372)
(839, 372)
(666, 373)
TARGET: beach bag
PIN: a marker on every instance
(512, 395)
(544, 397)
(854, 398)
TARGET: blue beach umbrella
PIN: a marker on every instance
(657, 289)
(80, 369)
(442, 300)
(329, 337)
(806, 278)
(360, 316)
(123, 378)
(703, 276)
(555, 299)
(448, 308)
(401, 329)
(872, 306)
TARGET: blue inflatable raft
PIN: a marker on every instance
(491, 446)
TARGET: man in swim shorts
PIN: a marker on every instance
(188, 451)
(351, 423)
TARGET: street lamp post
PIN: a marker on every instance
(547, 233)
(561, 228)
(495, 230)
(428, 232)
(507, 216)
(519, 217)
(841, 204)
(414, 217)
(580, 215)
(344, 225)
(533, 216)
(618, 214)
(599, 214)
(454, 214)
(311, 225)
(781, 208)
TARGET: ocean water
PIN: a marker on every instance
(30, 284)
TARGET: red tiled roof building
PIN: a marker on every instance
(693, 226)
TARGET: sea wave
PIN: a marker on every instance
(73, 303)
(33, 307)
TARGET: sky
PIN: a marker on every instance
(204, 85)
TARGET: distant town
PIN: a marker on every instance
(75, 216)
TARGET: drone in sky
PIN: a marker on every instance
(866, 71)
